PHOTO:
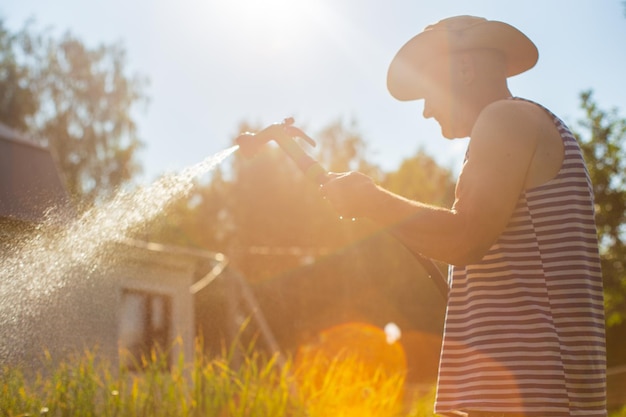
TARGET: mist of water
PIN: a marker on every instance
(40, 263)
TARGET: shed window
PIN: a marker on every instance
(145, 326)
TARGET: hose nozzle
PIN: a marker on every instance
(250, 143)
(283, 134)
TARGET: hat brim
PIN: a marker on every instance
(405, 78)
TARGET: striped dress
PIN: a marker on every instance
(524, 329)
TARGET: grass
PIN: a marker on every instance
(236, 383)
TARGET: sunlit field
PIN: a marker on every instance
(235, 383)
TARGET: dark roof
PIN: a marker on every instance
(29, 180)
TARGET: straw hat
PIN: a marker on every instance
(454, 34)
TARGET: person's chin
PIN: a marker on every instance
(447, 133)
(451, 133)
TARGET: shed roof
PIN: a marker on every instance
(30, 183)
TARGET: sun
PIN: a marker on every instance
(272, 23)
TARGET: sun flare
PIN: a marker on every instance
(274, 23)
(351, 369)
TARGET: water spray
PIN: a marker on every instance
(284, 135)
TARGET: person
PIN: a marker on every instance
(524, 325)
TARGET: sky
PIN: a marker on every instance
(213, 64)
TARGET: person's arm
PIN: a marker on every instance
(501, 149)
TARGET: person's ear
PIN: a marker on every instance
(466, 68)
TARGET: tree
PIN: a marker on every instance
(341, 148)
(420, 178)
(17, 101)
(78, 101)
(603, 142)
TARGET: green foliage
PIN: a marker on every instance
(420, 178)
(76, 99)
(603, 142)
(618, 413)
(17, 102)
(249, 385)
(422, 404)
(341, 148)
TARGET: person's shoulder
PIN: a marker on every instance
(511, 109)
(509, 118)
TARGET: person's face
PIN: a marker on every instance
(443, 99)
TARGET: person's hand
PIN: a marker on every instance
(350, 193)
(283, 130)
(250, 143)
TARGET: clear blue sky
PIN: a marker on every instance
(216, 63)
